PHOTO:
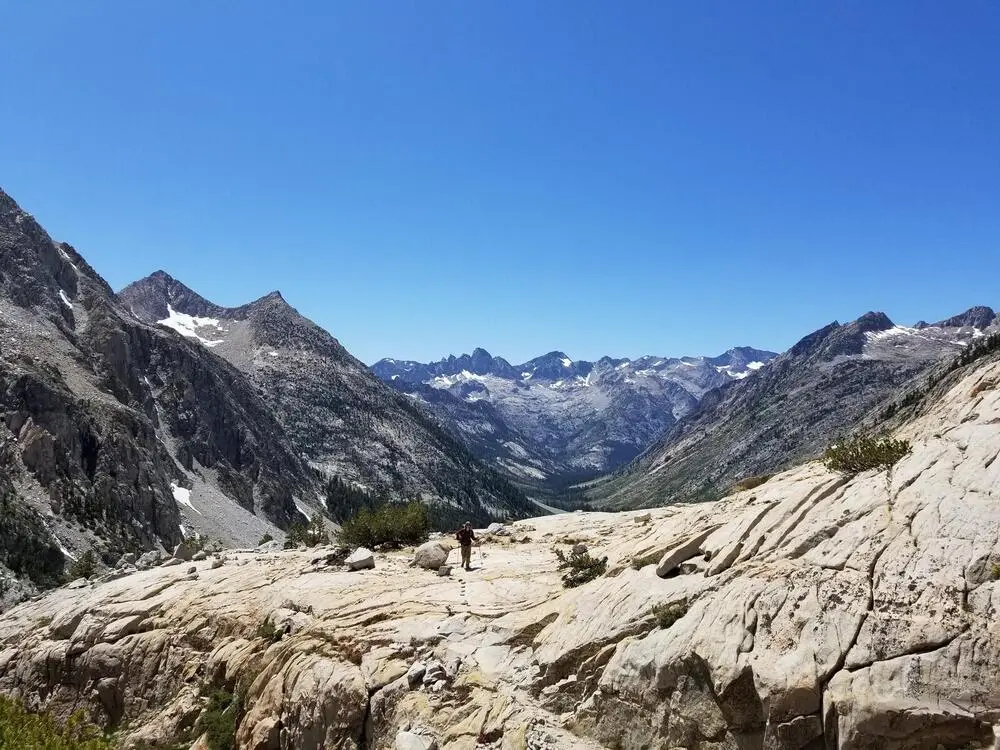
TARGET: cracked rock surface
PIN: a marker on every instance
(813, 611)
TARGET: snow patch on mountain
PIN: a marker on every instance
(190, 325)
(183, 496)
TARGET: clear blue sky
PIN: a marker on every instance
(599, 177)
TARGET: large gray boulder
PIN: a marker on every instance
(431, 555)
(362, 558)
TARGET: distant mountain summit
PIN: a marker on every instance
(339, 416)
(553, 419)
(821, 388)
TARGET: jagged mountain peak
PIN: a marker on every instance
(979, 316)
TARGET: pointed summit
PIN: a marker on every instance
(979, 316)
(151, 299)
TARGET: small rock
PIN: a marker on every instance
(415, 674)
(272, 546)
(192, 569)
(444, 571)
(644, 518)
(79, 583)
(435, 672)
(550, 690)
(438, 686)
(199, 556)
(217, 563)
(171, 561)
(360, 559)
(129, 557)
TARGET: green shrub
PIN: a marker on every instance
(391, 524)
(667, 614)
(219, 719)
(864, 452)
(640, 562)
(20, 728)
(269, 632)
(580, 567)
(307, 535)
(750, 483)
(265, 539)
(85, 567)
(995, 573)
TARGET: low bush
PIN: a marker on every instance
(265, 539)
(269, 632)
(864, 452)
(580, 567)
(391, 524)
(667, 614)
(640, 562)
(20, 728)
(219, 719)
(995, 573)
(751, 482)
(85, 567)
(307, 534)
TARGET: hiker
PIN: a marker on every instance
(466, 536)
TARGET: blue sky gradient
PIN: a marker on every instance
(603, 178)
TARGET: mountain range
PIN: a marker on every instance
(836, 380)
(554, 419)
(135, 420)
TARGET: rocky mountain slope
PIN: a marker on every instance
(337, 414)
(817, 610)
(821, 388)
(553, 419)
(108, 424)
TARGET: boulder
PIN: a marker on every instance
(415, 674)
(682, 551)
(199, 556)
(497, 529)
(272, 546)
(434, 673)
(185, 550)
(360, 559)
(431, 555)
(149, 559)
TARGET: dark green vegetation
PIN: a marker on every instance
(392, 524)
(864, 452)
(307, 534)
(26, 546)
(269, 632)
(580, 567)
(85, 567)
(751, 482)
(24, 730)
(219, 719)
(667, 614)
